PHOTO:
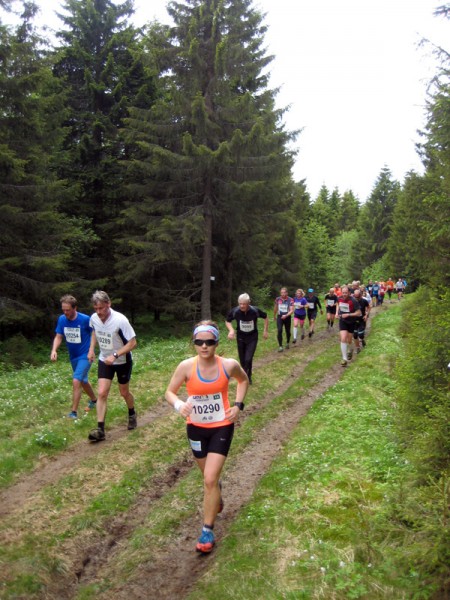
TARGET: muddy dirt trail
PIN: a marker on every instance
(51, 469)
(173, 572)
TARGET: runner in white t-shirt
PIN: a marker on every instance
(116, 339)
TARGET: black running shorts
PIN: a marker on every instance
(210, 439)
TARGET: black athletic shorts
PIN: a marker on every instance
(210, 439)
(346, 325)
(312, 315)
(108, 371)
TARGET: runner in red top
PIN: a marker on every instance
(209, 416)
(348, 312)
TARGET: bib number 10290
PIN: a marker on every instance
(207, 408)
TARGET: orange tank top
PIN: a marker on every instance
(209, 397)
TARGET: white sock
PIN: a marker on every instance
(295, 333)
(344, 350)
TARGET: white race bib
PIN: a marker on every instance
(311, 305)
(330, 302)
(207, 408)
(344, 307)
(104, 340)
(282, 309)
(247, 326)
(72, 335)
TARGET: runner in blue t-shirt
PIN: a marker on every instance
(75, 329)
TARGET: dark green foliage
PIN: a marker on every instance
(423, 425)
(348, 212)
(318, 250)
(424, 403)
(100, 66)
(36, 240)
(209, 180)
(375, 221)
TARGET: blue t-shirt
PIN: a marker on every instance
(77, 334)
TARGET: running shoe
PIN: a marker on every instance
(349, 355)
(206, 541)
(303, 336)
(132, 421)
(287, 346)
(294, 341)
(221, 502)
(72, 415)
(358, 350)
(96, 435)
(343, 363)
(280, 349)
(310, 334)
(91, 404)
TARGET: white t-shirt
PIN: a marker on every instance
(112, 335)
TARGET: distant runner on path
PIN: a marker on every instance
(300, 304)
(313, 306)
(331, 300)
(246, 317)
(348, 312)
(399, 288)
(282, 311)
(360, 325)
(209, 415)
(74, 327)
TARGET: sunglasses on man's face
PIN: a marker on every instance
(207, 342)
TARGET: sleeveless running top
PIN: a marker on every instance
(209, 397)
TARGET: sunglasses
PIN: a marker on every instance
(207, 342)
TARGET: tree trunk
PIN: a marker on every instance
(205, 307)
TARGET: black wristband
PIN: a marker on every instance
(240, 405)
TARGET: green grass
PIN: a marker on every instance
(320, 523)
(325, 521)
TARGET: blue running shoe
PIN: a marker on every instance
(206, 541)
(72, 415)
(91, 404)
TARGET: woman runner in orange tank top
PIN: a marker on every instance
(210, 418)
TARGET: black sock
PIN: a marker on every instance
(205, 526)
(131, 412)
(101, 425)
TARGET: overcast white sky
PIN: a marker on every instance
(354, 78)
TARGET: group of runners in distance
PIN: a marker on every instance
(208, 410)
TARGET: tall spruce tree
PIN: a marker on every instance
(210, 182)
(101, 67)
(349, 212)
(36, 240)
(375, 221)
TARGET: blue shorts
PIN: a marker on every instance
(80, 368)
